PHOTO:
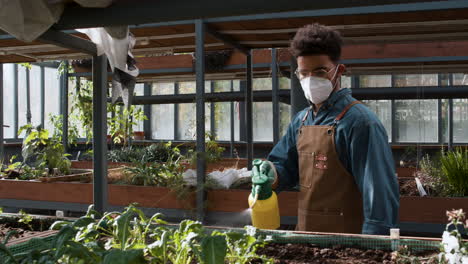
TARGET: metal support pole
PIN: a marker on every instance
(298, 100)
(440, 134)
(176, 113)
(28, 96)
(2, 150)
(64, 105)
(450, 124)
(16, 98)
(212, 113)
(200, 111)
(248, 110)
(450, 119)
(394, 128)
(147, 110)
(242, 115)
(42, 96)
(275, 96)
(100, 132)
(231, 144)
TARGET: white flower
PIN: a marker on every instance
(465, 260)
(450, 243)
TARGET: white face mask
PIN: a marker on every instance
(317, 89)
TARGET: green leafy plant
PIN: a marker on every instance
(44, 152)
(159, 152)
(82, 108)
(242, 247)
(455, 169)
(131, 237)
(213, 152)
(25, 219)
(73, 133)
(121, 124)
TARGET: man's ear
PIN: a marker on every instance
(341, 69)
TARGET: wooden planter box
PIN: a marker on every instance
(89, 164)
(236, 201)
(225, 163)
(72, 192)
(412, 209)
(405, 172)
(429, 209)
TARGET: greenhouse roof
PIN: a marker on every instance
(167, 27)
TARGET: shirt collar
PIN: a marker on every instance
(336, 96)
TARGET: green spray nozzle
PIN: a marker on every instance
(261, 183)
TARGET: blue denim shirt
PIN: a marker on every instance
(362, 146)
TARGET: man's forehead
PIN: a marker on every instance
(314, 61)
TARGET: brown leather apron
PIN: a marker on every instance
(329, 199)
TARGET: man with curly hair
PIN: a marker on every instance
(336, 150)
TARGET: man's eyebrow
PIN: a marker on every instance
(320, 68)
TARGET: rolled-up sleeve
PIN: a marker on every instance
(284, 156)
(373, 168)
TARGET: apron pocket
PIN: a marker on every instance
(305, 176)
(321, 221)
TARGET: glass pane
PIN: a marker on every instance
(139, 90)
(223, 120)
(190, 87)
(222, 86)
(460, 79)
(285, 118)
(162, 88)
(345, 81)
(22, 100)
(236, 121)
(162, 121)
(52, 95)
(236, 84)
(284, 83)
(416, 120)
(261, 84)
(187, 121)
(460, 120)
(8, 101)
(416, 80)
(262, 121)
(35, 88)
(383, 110)
(162, 116)
(375, 81)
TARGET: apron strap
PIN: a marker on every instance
(305, 116)
(345, 110)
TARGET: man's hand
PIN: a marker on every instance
(263, 168)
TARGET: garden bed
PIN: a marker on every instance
(310, 253)
(74, 192)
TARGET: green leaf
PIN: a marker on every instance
(117, 256)
(122, 225)
(214, 249)
(7, 252)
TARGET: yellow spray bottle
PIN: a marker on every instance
(263, 200)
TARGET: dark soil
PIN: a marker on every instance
(408, 187)
(17, 232)
(8, 224)
(307, 253)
